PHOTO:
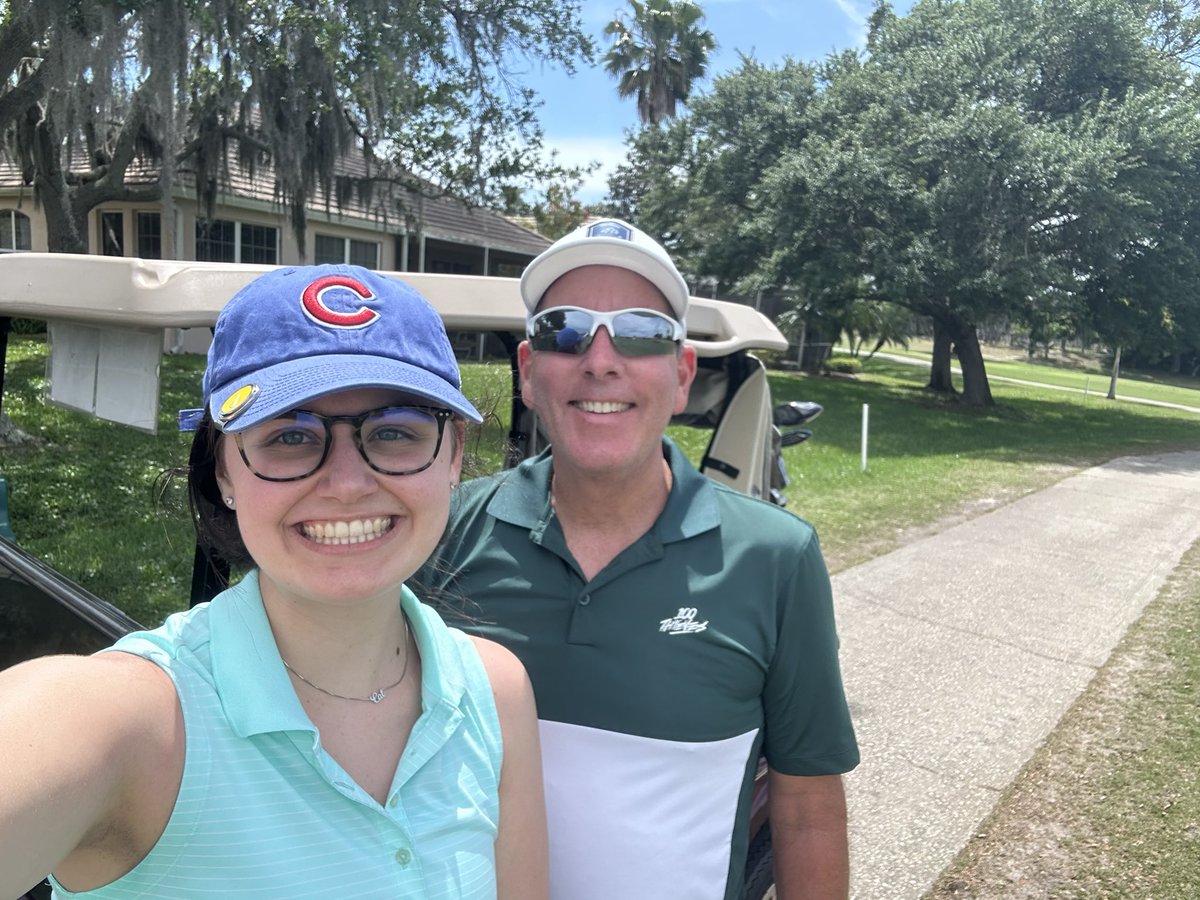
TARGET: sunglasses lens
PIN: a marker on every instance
(634, 332)
(562, 331)
(643, 334)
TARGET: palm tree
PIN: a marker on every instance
(658, 55)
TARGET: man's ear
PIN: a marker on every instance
(686, 369)
(525, 369)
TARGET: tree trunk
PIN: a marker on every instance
(939, 371)
(67, 204)
(950, 334)
(64, 233)
(976, 391)
(1116, 373)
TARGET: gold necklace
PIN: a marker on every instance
(376, 695)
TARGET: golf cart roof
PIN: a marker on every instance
(136, 293)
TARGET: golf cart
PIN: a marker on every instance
(106, 342)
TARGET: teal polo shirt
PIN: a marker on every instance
(659, 680)
(264, 811)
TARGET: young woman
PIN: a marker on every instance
(315, 731)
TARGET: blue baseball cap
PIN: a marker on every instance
(298, 333)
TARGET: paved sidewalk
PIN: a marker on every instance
(962, 651)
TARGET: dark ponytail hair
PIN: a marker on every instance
(217, 532)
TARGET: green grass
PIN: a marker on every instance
(1145, 797)
(1077, 372)
(83, 499)
(82, 496)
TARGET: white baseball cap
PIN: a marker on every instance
(608, 242)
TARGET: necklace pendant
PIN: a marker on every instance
(376, 696)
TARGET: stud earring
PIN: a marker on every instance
(229, 502)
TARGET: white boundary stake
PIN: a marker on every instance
(865, 428)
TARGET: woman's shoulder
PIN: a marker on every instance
(101, 681)
(510, 683)
(504, 670)
(513, 692)
(111, 682)
(115, 703)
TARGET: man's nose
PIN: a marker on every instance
(601, 352)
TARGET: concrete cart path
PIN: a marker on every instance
(961, 651)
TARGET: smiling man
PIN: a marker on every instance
(674, 630)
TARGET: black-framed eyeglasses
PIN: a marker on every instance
(634, 332)
(394, 440)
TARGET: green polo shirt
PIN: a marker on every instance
(658, 682)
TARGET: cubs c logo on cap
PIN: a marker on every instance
(611, 230)
(313, 301)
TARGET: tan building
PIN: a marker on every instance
(397, 232)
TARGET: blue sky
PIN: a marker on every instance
(585, 120)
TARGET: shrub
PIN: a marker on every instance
(842, 365)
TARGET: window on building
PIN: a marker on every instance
(149, 235)
(364, 253)
(15, 233)
(220, 240)
(259, 244)
(216, 240)
(330, 249)
(112, 233)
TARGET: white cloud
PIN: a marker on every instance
(857, 14)
(580, 150)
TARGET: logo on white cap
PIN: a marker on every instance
(611, 230)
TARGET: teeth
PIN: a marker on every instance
(356, 531)
(595, 406)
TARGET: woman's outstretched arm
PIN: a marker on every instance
(92, 751)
